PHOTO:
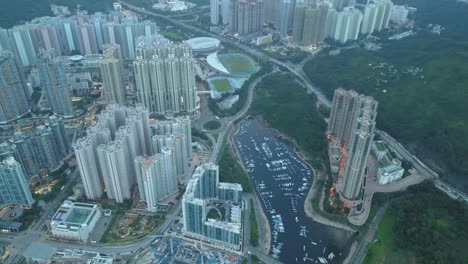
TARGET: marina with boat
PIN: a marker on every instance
(282, 181)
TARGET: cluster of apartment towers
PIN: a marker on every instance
(307, 21)
(125, 148)
(352, 127)
(28, 154)
(163, 71)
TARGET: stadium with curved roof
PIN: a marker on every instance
(204, 44)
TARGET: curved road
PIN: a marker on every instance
(34, 233)
(421, 168)
(230, 120)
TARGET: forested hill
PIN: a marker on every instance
(420, 82)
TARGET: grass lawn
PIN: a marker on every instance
(253, 226)
(212, 125)
(383, 249)
(222, 85)
(239, 64)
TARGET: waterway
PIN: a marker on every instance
(282, 181)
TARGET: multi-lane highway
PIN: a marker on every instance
(422, 168)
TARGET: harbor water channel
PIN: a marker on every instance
(282, 181)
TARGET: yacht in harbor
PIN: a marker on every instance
(281, 180)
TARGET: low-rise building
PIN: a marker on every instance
(388, 167)
(380, 149)
(204, 45)
(387, 173)
(75, 221)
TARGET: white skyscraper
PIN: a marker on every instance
(177, 135)
(330, 26)
(13, 184)
(86, 157)
(369, 18)
(225, 11)
(105, 156)
(156, 178)
(214, 11)
(165, 77)
(285, 15)
(24, 45)
(202, 189)
(348, 24)
(112, 74)
(14, 95)
(55, 85)
(376, 16)
(114, 160)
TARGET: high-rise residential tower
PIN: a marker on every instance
(352, 124)
(347, 24)
(156, 177)
(14, 188)
(60, 135)
(112, 74)
(105, 157)
(14, 94)
(114, 159)
(165, 77)
(214, 12)
(24, 46)
(359, 148)
(204, 189)
(39, 149)
(376, 16)
(310, 24)
(247, 16)
(55, 85)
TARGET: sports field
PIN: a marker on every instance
(239, 65)
(222, 85)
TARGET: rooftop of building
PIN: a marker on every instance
(231, 186)
(380, 145)
(9, 161)
(203, 43)
(39, 251)
(233, 227)
(390, 169)
(74, 214)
